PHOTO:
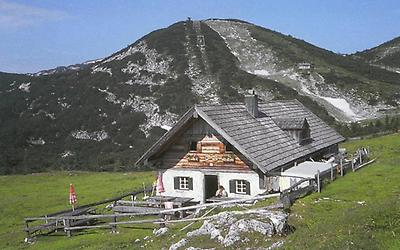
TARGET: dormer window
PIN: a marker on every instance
(297, 128)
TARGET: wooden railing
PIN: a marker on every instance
(69, 222)
(68, 218)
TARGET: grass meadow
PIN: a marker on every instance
(358, 211)
(39, 194)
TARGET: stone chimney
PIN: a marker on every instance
(251, 101)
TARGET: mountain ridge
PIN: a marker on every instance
(102, 116)
(385, 55)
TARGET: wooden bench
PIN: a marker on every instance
(151, 204)
(135, 209)
(219, 199)
(53, 225)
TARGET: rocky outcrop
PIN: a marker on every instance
(228, 228)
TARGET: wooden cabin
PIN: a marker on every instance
(242, 146)
(305, 66)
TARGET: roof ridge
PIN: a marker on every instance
(261, 101)
(218, 105)
(282, 100)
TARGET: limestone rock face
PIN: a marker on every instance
(227, 228)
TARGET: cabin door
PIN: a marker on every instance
(211, 185)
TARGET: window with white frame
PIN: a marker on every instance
(241, 187)
(183, 182)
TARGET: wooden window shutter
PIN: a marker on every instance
(190, 183)
(232, 186)
(247, 187)
(176, 182)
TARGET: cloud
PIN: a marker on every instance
(21, 15)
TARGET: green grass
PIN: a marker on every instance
(39, 194)
(339, 222)
(344, 223)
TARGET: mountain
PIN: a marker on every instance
(103, 115)
(386, 55)
(62, 69)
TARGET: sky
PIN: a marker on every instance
(43, 34)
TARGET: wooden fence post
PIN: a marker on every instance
(341, 167)
(67, 225)
(28, 234)
(114, 226)
(114, 219)
(318, 182)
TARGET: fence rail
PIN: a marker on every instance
(68, 218)
(69, 223)
(79, 219)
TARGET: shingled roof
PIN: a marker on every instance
(290, 122)
(259, 138)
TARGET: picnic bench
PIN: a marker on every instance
(219, 199)
(177, 201)
(53, 225)
(135, 209)
(152, 204)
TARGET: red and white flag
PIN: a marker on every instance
(72, 195)
(160, 184)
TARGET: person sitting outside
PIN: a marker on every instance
(221, 192)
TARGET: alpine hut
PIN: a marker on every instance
(241, 146)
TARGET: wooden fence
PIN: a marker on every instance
(70, 222)
(56, 221)
(83, 216)
(295, 192)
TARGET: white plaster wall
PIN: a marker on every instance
(252, 177)
(198, 182)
